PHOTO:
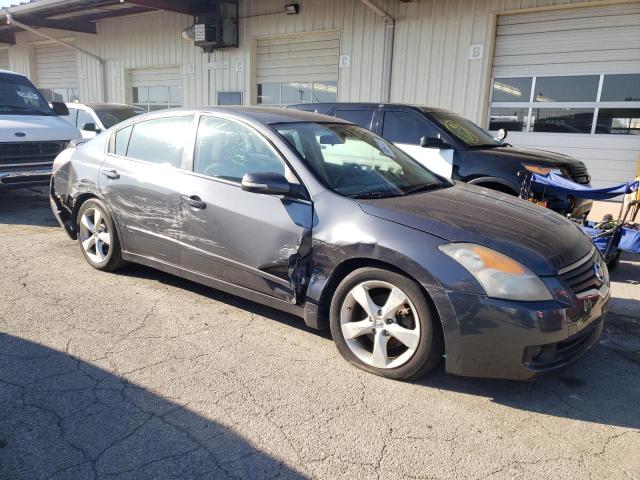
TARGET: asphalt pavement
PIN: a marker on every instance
(141, 375)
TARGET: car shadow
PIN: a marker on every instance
(28, 206)
(148, 273)
(582, 391)
(62, 417)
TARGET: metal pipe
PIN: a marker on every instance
(387, 58)
(12, 21)
(101, 61)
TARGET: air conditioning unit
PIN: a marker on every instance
(217, 28)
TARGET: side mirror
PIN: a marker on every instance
(90, 127)
(267, 183)
(501, 134)
(60, 108)
(433, 142)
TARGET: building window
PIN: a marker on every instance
(584, 104)
(297, 92)
(61, 94)
(229, 98)
(157, 97)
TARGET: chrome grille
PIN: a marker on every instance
(582, 276)
(17, 153)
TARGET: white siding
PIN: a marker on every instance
(590, 40)
(56, 66)
(150, 77)
(4, 59)
(299, 57)
(577, 41)
(431, 64)
(611, 159)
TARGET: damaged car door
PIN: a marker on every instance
(141, 178)
(254, 240)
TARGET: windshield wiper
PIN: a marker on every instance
(363, 195)
(25, 109)
(425, 188)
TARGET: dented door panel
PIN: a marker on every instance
(261, 242)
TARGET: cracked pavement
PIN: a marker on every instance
(141, 375)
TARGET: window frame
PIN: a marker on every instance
(189, 158)
(430, 122)
(188, 147)
(532, 104)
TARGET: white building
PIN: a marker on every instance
(560, 74)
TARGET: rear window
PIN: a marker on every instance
(160, 140)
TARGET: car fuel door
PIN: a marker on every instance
(257, 241)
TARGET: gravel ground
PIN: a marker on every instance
(142, 375)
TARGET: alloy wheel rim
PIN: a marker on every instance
(95, 236)
(380, 324)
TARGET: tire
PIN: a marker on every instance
(373, 344)
(101, 246)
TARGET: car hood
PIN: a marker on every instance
(36, 128)
(530, 155)
(540, 239)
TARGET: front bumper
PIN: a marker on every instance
(24, 178)
(520, 340)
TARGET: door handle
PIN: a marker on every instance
(112, 174)
(194, 201)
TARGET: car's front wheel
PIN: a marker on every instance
(381, 322)
(98, 237)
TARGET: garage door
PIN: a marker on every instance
(300, 68)
(569, 81)
(57, 72)
(156, 88)
(4, 59)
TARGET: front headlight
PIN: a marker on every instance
(544, 170)
(499, 275)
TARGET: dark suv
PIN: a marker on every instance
(454, 147)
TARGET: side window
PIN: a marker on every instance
(122, 140)
(161, 140)
(83, 119)
(226, 149)
(71, 118)
(406, 128)
(359, 117)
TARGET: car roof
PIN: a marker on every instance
(98, 106)
(327, 105)
(12, 73)
(266, 115)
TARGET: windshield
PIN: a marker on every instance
(356, 163)
(18, 96)
(111, 116)
(465, 130)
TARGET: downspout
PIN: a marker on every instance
(101, 61)
(387, 58)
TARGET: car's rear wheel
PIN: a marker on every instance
(98, 237)
(382, 323)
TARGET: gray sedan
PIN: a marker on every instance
(323, 219)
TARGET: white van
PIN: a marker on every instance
(31, 133)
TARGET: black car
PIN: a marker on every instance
(457, 148)
(323, 219)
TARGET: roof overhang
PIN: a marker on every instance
(82, 15)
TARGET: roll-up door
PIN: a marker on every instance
(156, 88)
(568, 81)
(56, 69)
(298, 68)
(4, 59)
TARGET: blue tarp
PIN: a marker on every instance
(627, 239)
(558, 183)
